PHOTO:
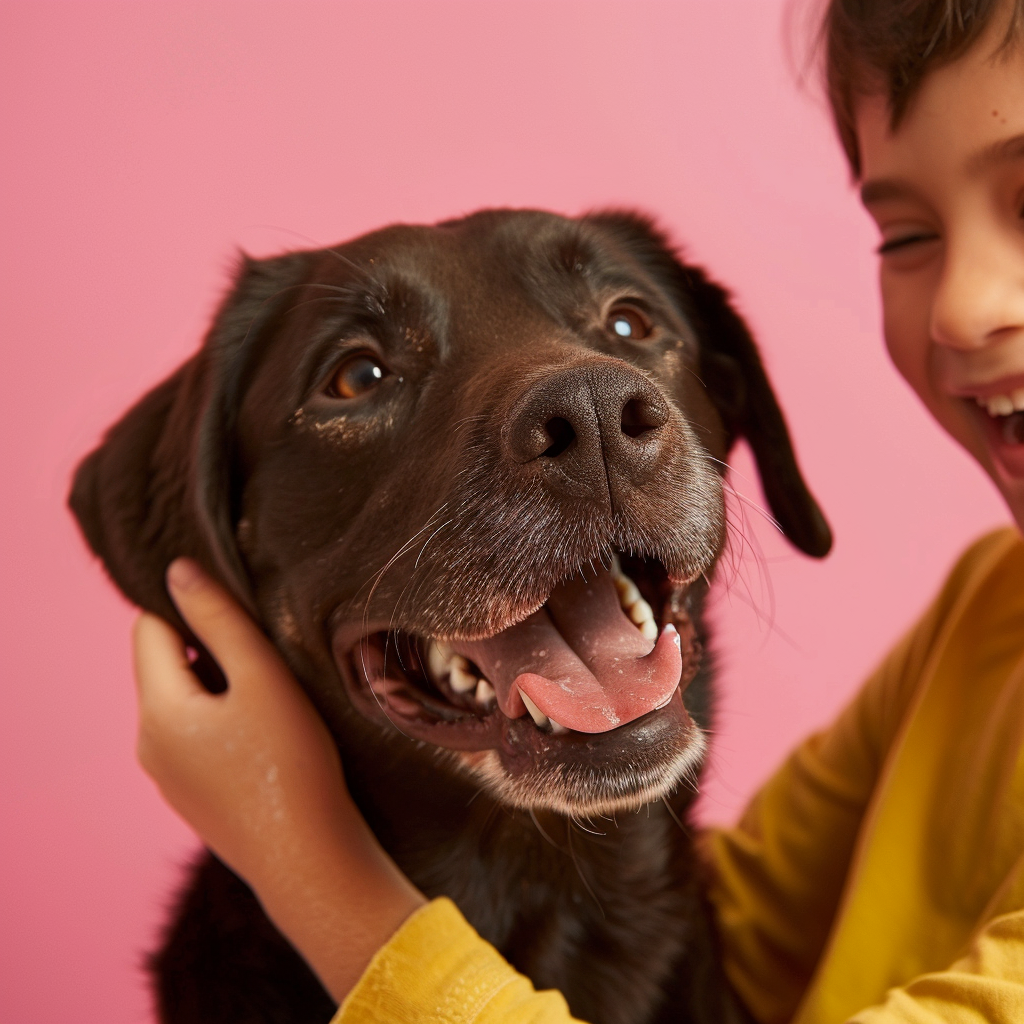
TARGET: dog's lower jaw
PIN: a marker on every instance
(581, 790)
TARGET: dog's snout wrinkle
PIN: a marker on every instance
(587, 425)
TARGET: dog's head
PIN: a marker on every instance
(469, 479)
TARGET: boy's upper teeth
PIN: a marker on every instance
(1003, 405)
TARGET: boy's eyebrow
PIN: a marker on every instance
(880, 189)
(1000, 151)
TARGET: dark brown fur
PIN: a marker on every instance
(242, 461)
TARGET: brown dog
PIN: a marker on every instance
(469, 479)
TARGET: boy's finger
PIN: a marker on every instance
(162, 670)
(225, 629)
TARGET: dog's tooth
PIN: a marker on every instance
(616, 566)
(535, 712)
(628, 592)
(640, 612)
(484, 692)
(438, 656)
(460, 678)
(556, 727)
(649, 629)
(1000, 405)
(1017, 396)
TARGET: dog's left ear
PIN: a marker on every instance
(734, 376)
(161, 484)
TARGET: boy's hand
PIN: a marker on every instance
(257, 775)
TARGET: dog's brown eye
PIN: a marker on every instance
(628, 322)
(357, 375)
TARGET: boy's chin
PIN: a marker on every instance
(1013, 492)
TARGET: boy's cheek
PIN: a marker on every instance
(908, 340)
(906, 333)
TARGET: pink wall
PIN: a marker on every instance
(145, 141)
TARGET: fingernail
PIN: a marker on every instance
(183, 574)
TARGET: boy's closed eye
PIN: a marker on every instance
(903, 241)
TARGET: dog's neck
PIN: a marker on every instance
(602, 910)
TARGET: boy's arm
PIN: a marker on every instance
(257, 775)
(436, 968)
(984, 987)
(778, 875)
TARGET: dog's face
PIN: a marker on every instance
(469, 478)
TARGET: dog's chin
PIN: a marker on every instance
(586, 775)
(635, 748)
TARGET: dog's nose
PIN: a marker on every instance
(589, 427)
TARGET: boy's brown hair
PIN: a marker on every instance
(888, 46)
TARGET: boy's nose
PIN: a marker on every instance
(980, 295)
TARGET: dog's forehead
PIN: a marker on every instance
(488, 264)
(439, 252)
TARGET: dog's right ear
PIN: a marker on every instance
(734, 376)
(159, 486)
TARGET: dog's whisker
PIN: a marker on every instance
(674, 816)
(690, 370)
(583, 828)
(407, 545)
(478, 792)
(540, 829)
(378, 577)
(579, 869)
(428, 540)
(747, 539)
(312, 301)
(750, 503)
(382, 703)
(319, 245)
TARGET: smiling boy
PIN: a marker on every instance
(946, 189)
(879, 875)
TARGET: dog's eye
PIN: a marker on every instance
(357, 375)
(628, 322)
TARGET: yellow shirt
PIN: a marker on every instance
(878, 876)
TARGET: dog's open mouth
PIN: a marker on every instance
(609, 647)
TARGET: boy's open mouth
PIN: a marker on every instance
(1003, 422)
(608, 647)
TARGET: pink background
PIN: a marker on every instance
(143, 142)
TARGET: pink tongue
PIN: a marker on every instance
(580, 660)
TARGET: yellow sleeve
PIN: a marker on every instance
(437, 969)
(984, 987)
(778, 876)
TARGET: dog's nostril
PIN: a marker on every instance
(562, 435)
(639, 416)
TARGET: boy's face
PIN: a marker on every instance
(947, 192)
